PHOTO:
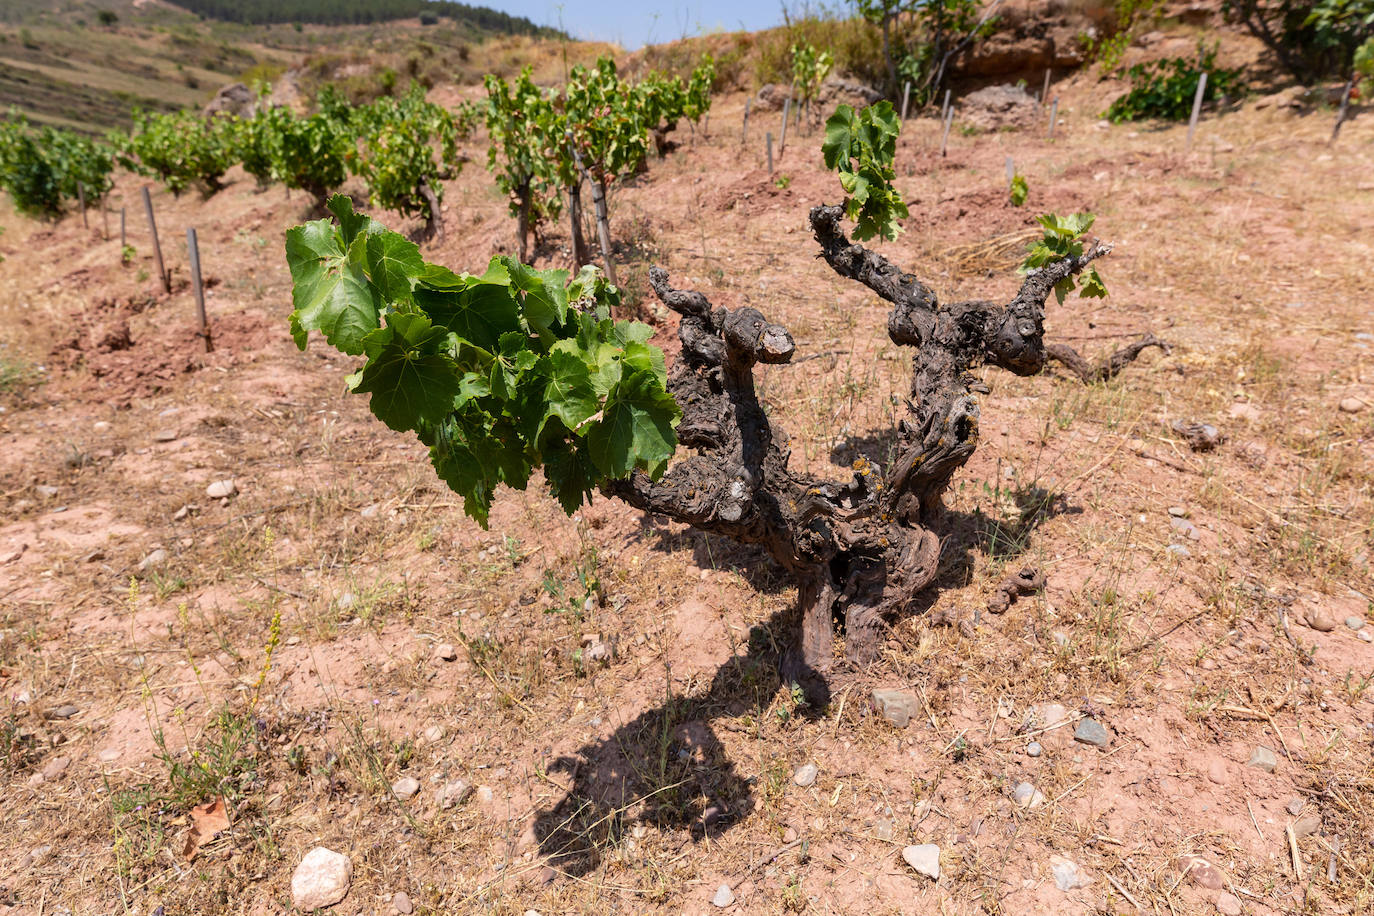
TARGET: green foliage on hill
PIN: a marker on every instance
(363, 12)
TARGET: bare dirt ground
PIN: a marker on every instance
(607, 683)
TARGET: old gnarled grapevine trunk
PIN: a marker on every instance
(860, 549)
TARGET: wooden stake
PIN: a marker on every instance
(1054, 115)
(157, 247)
(944, 140)
(1345, 108)
(193, 251)
(906, 97)
(786, 111)
(123, 235)
(768, 139)
(944, 109)
(744, 131)
(1197, 109)
(603, 226)
(105, 218)
(1011, 170)
(81, 199)
(1045, 93)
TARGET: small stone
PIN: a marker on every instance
(181, 513)
(153, 560)
(1354, 622)
(1244, 411)
(1294, 806)
(370, 511)
(1365, 636)
(1050, 715)
(454, 793)
(925, 859)
(1034, 749)
(884, 830)
(1061, 639)
(346, 601)
(805, 775)
(446, 652)
(1216, 771)
(165, 435)
(1319, 620)
(1178, 512)
(1179, 550)
(896, 706)
(1027, 796)
(1185, 528)
(1228, 904)
(1351, 405)
(1201, 872)
(1262, 758)
(65, 711)
(400, 902)
(1090, 731)
(724, 897)
(405, 787)
(221, 489)
(1307, 825)
(45, 491)
(55, 767)
(484, 795)
(322, 879)
(789, 835)
(1067, 875)
(434, 733)
(109, 755)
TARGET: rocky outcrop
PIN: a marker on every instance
(997, 108)
(235, 100)
(1033, 35)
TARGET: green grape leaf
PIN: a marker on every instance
(409, 374)
(636, 428)
(479, 314)
(330, 288)
(392, 261)
(571, 397)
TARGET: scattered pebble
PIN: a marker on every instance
(896, 706)
(446, 652)
(925, 859)
(454, 793)
(45, 491)
(1090, 731)
(1216, 771)
(181, 513)
(1185, 528)
(1049, 715)
(405, 787)
(221, 489)
(1244, 411)
(1067, 875)
(370, 511)
(1228, 904)
(1319, 620)
(1060, 638)
(1354, 622)
(434, 733)
(1365, 635)
(153, 560)
(109, 755)
(55, 768)
(884, 830)
(1179, 550)
(1178, 512)
(1262, 758)
(1200, 871)
(322, 879)
(1351, 405)
(1307, 825)
(65, 711)
(401, 903)
(484, 795)
(1294, 806)
(805, 775)
(165, 435)
(1034, 749)
(724, 897)
(1027, 796)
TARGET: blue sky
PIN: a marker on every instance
(633, 24)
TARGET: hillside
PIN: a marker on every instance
(60, 64)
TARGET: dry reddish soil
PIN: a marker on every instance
(288, 649)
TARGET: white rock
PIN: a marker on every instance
(221, 489)
(445, 652)
(1067, 875)
(405, 787)
(321, 880)
(434, 733)
(805, 775)
(1351, 405)
(485, 796)
(152, 560)
(924, 858)
(724, 896)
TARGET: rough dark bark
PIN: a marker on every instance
(859, 549)
(434, 217)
